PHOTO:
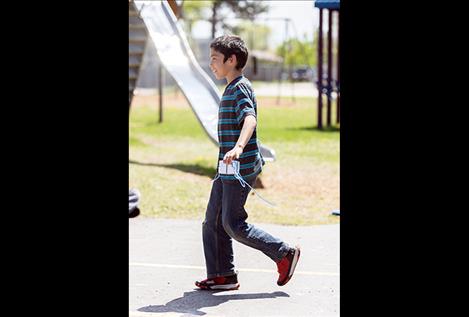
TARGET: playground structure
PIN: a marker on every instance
(137, 42)
(154, 23)
(328, 86)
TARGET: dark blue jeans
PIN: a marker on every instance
(225, 219)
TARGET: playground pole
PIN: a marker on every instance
(160, 92)
(320, 71)
(338, 68)
(329, 67)
(175, 8)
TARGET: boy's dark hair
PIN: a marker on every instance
(229, 45)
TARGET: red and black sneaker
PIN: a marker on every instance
(221, 282)
(286, 266)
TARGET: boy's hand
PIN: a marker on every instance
(232, 154)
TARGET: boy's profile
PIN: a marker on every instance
(225, 217)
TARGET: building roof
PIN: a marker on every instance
(266, 56)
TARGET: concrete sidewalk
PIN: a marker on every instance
(286, 89)
(166, 257)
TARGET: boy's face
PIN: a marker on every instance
(218, 68)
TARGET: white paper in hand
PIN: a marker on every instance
(228, 169)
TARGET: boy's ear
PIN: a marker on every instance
(233, 59)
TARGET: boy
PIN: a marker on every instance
(225, 218)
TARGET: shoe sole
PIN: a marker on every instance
(296, 256)
(226, 287)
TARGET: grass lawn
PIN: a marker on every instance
(172, 163)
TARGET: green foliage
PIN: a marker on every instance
(245, 9)
(299, 52)
(195, 10)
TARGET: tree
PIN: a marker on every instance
(192, 11)
(299, 52)
(245, 9)
(255, 35)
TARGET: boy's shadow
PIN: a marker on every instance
(192, 301)
(197, 169)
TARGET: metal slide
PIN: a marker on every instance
(179, 60)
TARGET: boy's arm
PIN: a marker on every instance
(249, 125)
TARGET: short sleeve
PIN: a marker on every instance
(244, 104)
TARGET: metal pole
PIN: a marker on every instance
(329, 67)
(160, 92)
(283, 61)
(319, 84)
(130, 99)
(290, 66)
(338, 67)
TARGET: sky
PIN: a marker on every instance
(304, 16)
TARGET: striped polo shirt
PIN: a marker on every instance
(237, 102)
